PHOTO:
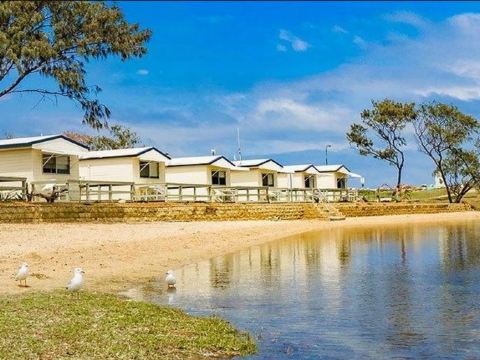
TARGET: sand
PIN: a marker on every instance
(116, 256)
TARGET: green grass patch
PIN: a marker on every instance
(60, 325)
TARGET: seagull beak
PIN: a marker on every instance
(83, 272)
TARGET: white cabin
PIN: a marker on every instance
(200, 170)
(261, 172)
(46, 159)
(333, 176)
(299, 177)
(136, 165)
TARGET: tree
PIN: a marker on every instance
(447, 137)
(120, 138)
(55, 39)
(461, 169)
(381, 132)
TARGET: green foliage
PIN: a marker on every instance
(119, 137)
(448, 136)
(62, 325)
(55, 39)
(380, 133)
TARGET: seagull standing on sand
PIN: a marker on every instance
(170, 279)
(22, 274)
(77, 281)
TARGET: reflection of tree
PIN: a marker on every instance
(270, 262)
(404, 234)
(221, 270)
(460, 248)
(312, 251)
(344, 251)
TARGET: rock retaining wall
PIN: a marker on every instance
(145, 212)
(379, 209)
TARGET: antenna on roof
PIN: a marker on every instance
(213, 152)
(239, 150)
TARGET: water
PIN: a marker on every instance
(385, 292)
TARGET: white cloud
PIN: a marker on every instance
(406, 17)
(289, 146)
(143, 72)
(287, 113)
(457, 92)
(295, 42)
(339, 29)
(281, 48)
(359, 41)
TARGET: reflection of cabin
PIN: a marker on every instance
(333, 176)
(48, 159)
(204, 170)
(137, 165)
(299, 177)
(261, 172)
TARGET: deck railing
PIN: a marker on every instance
(90, 191)
(13, 188)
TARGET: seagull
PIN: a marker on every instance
(22, 274)
(77, 281)
(170, 279)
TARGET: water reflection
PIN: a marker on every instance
(403, 291)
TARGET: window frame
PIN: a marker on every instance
(267, 176)
(147, 165)
(48, 157)
(343, 181)
(311, 180)
(213, 174)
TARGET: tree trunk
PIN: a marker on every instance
(447, 187)
(399, 177)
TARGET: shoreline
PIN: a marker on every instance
(117, 256)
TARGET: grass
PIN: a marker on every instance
(426, 196)
(60, 325)
(431, 195)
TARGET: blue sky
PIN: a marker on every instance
(291, 76)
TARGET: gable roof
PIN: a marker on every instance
(331, 168)
(197, 160)
(29, 141)
(117, 153)
(300, 168)
(255, 162)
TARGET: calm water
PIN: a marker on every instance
(390, 292)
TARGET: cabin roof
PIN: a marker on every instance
(117, 153)
(255, 162)
(331, 168)
(300, 168)
(29, 141)
(198, 160)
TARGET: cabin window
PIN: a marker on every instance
(55, 164)
(341, 183)
(219, 178)
(149, 170)
(268, 180)
(309, 181)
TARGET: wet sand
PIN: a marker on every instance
(115, 256)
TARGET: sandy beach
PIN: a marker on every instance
(115, 256)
